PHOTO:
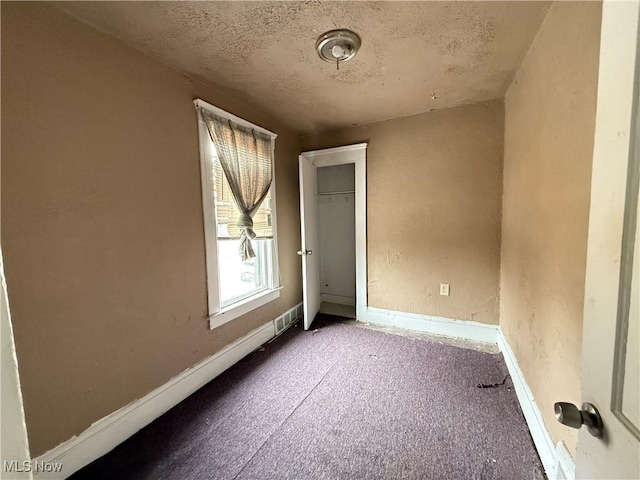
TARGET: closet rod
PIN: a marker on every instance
(337, 193)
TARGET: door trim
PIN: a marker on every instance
(356, 154)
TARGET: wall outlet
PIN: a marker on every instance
(444, 289)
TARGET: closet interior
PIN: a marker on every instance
(336, 215)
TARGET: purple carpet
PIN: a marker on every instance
(341, 402)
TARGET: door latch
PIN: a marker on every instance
(304, 252)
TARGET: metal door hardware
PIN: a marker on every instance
(569, 415)
(304, 252)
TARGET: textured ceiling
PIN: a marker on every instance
(463, 52)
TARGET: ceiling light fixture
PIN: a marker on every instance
(337, 46)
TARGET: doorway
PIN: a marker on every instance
(333, 231)
(337, 239)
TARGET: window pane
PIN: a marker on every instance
(238, 279)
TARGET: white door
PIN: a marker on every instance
(611, 320)
(310, 248)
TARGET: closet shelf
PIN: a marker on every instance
(337, 193)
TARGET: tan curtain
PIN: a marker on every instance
(227, 214)
(246, 158)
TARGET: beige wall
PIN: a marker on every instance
(434, 189)
(549, 128)
(102, 220)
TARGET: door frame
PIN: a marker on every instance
(351, 154)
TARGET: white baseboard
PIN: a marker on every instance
(565, 466)
(108, 432)
(338, 299)
(479, 332)
(556, 461)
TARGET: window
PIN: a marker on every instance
(240, 279)
(237, 282)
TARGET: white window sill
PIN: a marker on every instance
(245, 306)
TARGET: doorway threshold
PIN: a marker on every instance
(338, 310)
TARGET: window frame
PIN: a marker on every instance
(219, 316)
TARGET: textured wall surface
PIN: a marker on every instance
(434, 190)
(102, 226)
(549, 128)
